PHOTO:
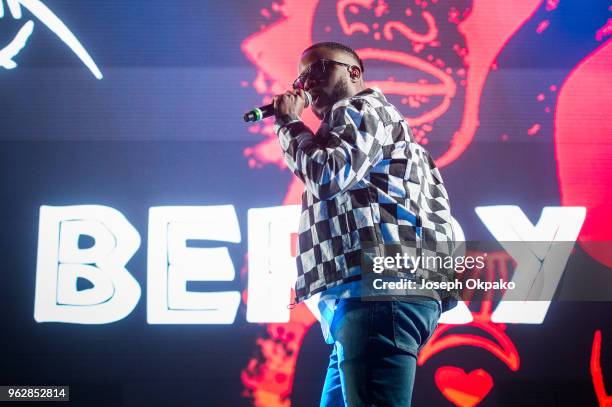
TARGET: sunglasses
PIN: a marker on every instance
(317, 71)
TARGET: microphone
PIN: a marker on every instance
(260, 113)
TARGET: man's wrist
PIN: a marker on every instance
(285, 119)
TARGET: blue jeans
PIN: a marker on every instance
(375, 349)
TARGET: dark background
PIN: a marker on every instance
(163, 127)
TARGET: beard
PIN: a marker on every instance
(339, 92)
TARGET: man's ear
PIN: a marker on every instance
(355, 72)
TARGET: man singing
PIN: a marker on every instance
(366, 180)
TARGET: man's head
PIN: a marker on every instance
(330, 71)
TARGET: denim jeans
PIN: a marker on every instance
(376, 343)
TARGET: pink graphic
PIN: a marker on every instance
(604, 399)
(461, 388)
(416, 48)
(604, 31)
(551, 5)
(583, 148)
(533, 130)
(452, 381)
(268, 378)
(542, 26)
(496, 266)
(484, 44)
(445, 87)
(292, 31)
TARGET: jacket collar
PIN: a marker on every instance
(371, 91)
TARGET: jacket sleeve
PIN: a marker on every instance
(352, 146)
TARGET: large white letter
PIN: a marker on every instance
(460, 314)
(61, 262)
(541, 253)
(171, 263)
(272, 270)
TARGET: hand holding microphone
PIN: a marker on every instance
(291, 103)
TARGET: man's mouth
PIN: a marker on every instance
(429, 95)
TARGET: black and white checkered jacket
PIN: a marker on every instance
(366, 180)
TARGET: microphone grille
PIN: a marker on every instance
(307, 99)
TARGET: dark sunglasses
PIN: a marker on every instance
(316, 71)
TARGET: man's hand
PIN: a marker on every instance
(289, 105)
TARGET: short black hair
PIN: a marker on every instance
(337, 46)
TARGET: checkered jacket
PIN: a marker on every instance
(366, 180)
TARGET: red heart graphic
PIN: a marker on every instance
(463, 389)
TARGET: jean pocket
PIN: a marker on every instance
(433, 304)
(413, 323)
(351, 322)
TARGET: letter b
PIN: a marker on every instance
(61, 262)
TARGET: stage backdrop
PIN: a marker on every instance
(148, 233)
